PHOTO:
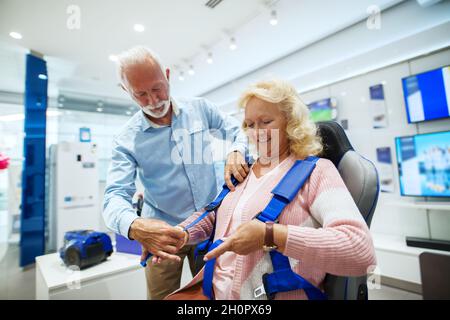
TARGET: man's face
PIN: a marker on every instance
(146, 84)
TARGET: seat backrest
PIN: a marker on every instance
(361, 178)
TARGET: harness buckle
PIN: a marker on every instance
(265, 219)
(258, 292)
(212, 207)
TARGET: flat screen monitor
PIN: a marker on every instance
(424, 164)
(323, 110)
(427, 95)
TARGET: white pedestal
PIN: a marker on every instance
(398, 261)
(120, 277)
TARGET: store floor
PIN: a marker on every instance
(15, 282)
(18, 283)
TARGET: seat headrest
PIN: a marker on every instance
(335, 141)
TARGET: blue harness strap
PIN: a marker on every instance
(287, 189)
(209, 208)
(209, 273)
(283, 279)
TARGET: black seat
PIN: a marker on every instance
(361, 178)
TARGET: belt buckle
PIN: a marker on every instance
(212, 207)
(258, 292)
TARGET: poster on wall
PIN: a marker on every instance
(85, 134)
(378, 107)
(385, 170)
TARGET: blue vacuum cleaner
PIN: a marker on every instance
(85, 248)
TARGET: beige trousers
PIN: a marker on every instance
(165, 278)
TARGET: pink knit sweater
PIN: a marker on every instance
(326, 232)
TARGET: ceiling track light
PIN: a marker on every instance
(210, 58)
(273, 18)
(233, 45)
(191, 70)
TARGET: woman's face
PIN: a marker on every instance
(266, 127)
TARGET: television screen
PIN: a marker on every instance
(427, 95)
(424, 164)
(323, 110)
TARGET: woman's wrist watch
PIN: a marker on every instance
(269, 243)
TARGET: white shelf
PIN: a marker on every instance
(397, 244)
(55, 273)
(445, 206)
(396, 260)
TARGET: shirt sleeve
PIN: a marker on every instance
(342, 245)
(118, 212)
(225, 127)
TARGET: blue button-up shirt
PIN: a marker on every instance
(174, 164)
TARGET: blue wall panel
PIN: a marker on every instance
(32, 241)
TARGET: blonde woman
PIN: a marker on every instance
(321, 231)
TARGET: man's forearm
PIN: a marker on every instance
(118, 214)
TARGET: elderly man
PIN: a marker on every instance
(167, 144)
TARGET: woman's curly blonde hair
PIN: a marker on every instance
(301, 130)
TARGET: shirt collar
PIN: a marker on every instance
(147, 123)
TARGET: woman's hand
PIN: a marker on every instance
(248, 237)
(237, 167)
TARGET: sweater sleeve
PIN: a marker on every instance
(200, 231)
(342, 245)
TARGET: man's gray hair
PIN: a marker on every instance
(137, 55)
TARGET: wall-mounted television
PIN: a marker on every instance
(424, 164)
(427, 95)
(323, 110)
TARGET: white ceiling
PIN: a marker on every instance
(179, 30)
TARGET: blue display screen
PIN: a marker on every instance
(424, 164)
(427, 95)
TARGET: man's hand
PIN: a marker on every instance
(247, 238)
(158, 237)
(158, 260)
(237, 167)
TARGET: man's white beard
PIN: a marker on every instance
(151, 110)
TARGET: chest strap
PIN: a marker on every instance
(282, 279)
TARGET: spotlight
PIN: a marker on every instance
(15, 35)
(210, 58)
(273, 18)
(139, 27)
(191, 70)
(233, 45)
